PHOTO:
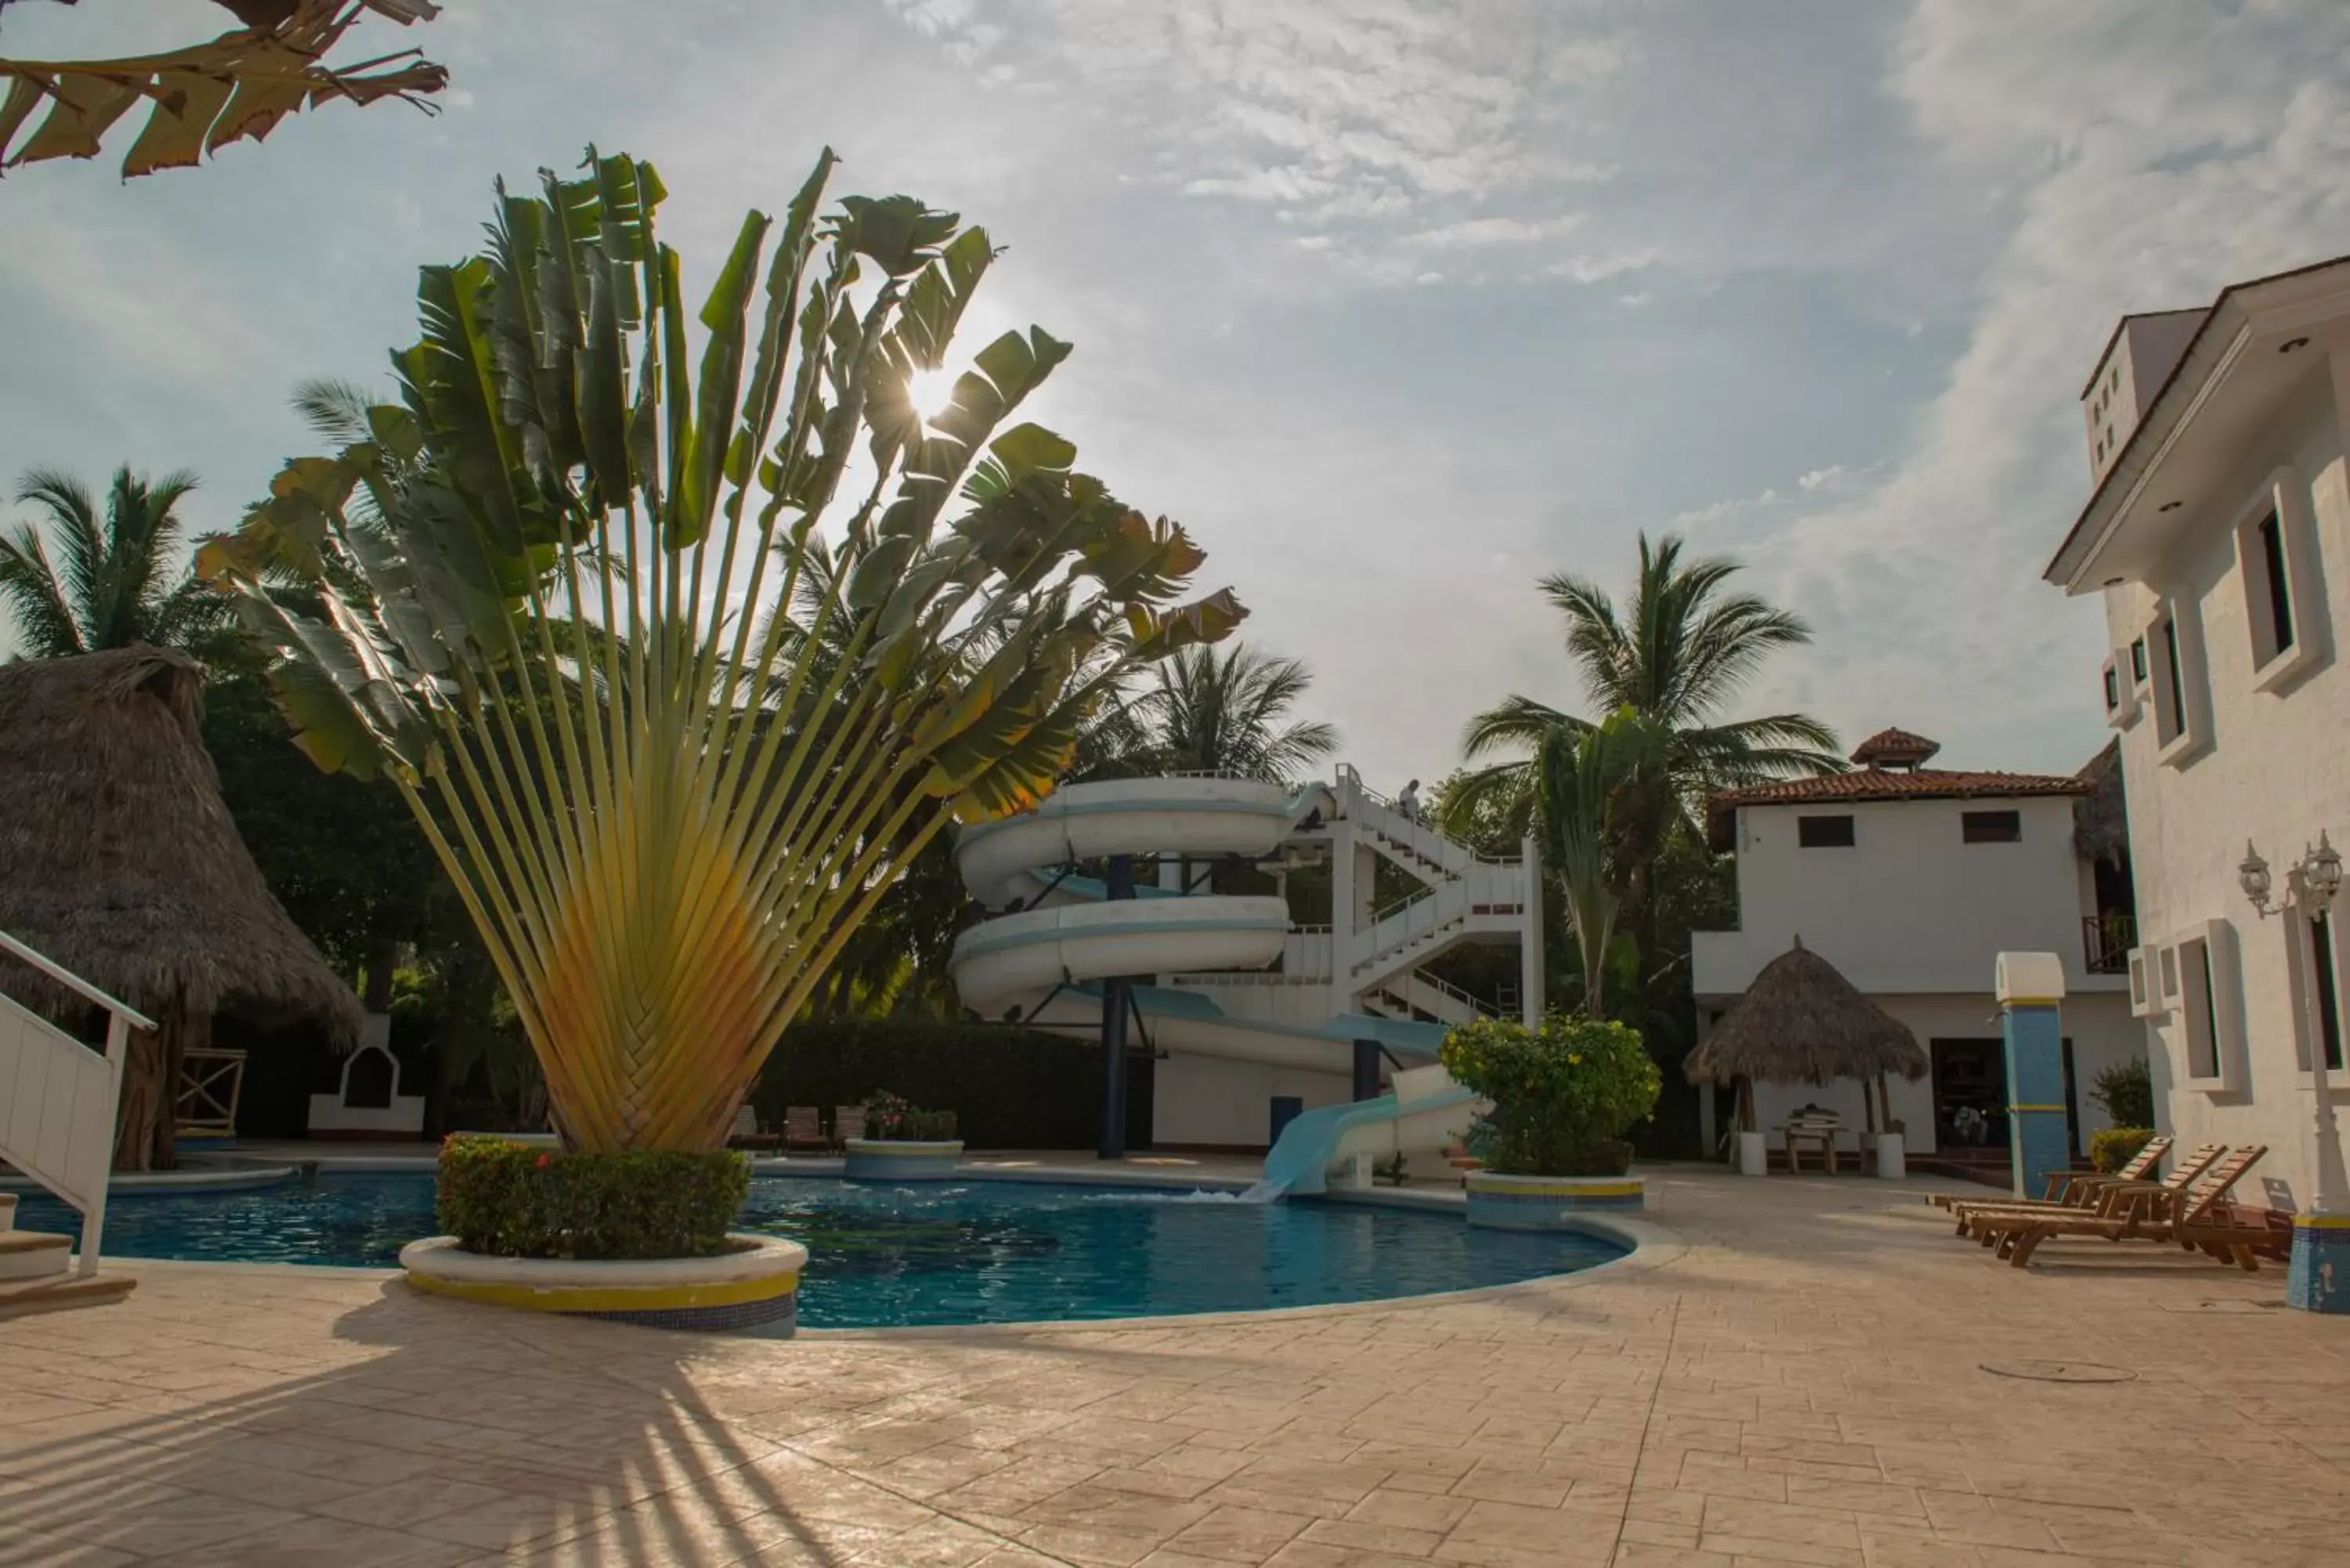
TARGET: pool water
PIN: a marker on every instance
(932, 1253)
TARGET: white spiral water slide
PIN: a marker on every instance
(1041, 963)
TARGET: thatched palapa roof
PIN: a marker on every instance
(1802, 1021)
(118, 860)
(2101, 818)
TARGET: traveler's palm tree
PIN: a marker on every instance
(541, 590)
(115, 578)
(1229, 712)
(1678, 653)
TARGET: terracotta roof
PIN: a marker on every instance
(1898, 746)
(1879, 783)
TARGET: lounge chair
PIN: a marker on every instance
(747, 1133)
(2160, 1211)
(2087, 1193)
(847, 1122)
(804, 1128)
(2062, 1184)
(1815, 1129)
(2201, 1217)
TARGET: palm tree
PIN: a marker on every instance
(1213, 711)
(112, 583)
(1584, 781)
(1675, 657)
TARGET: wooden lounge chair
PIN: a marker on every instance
(804, 1128)
(2200, 1218)
(2086, 1192)
(847, 1122)
(1817, 1129)
(747, 1133)
(2062, 1183)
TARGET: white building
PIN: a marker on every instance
(1911, 880)
(2218, 534)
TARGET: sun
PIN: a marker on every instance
(931, 392)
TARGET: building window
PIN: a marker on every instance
(2211, 1008)
(2329, 998)
(2279, 574)
(1991, 827)
(2137, 662)
(2202, 1012)
(2271, 529)
(1823, 832)
(2176, 655)
(2113, 689)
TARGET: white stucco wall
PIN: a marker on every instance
(2276, 770)
(2100, 1026)
(1910, 906)
(1221, 1103)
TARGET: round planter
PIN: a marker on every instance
(1500, 1202)
(901, 1159)
(756, 1286)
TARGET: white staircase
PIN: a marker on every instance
(58, 1101)
(1463, 896)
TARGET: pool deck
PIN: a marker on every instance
(1804, 1384)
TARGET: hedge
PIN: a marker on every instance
(510, 1200)
(1008, 1088)
(2110, 1149)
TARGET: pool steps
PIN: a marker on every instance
(34, 1272)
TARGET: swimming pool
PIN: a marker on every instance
(935, 1253)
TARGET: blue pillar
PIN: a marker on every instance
(1111, 1144)
(2318, 1278)
(2031, 994)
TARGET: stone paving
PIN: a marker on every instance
(1805, 1383)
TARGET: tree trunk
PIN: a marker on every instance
(143, 1082)
(147, 1123)
(181, 1030)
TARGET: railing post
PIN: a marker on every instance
(93, 1218)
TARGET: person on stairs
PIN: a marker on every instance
(1407, 803)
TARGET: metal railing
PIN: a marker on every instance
(2105, 942)
(57, 1127)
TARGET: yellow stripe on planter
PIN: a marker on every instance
(1584, 1187)
(611, 1298)
(757, 1285)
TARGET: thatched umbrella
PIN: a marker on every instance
(1802, 1022)
(2101, 818)
(118, 861)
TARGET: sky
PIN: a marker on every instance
(1398, 306)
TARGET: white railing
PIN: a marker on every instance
(57, 1097)
(1476, 1006)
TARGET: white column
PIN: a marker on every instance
(1530, 936)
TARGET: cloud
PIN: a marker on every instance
(2151, 156)
(1379, 123)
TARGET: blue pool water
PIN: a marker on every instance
(945, 1253)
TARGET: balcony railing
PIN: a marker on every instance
(2105, 942)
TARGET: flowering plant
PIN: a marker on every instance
(888, 1115)
(1562, 1094)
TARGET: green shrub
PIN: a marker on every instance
(1010, 1087)
(2125, 1092)
(1562, 1094)
(512, 1199)
(2110, 1149)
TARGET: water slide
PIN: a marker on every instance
(1043, 961)
(1425, 1109)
